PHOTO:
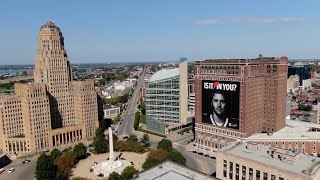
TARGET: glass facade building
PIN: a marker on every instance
(162, 99)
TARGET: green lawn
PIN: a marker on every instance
(143, 119)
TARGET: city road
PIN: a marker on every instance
(126, 127)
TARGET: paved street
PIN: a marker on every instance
(126, 127)
(22, 171)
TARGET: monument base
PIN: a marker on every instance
(105, 168)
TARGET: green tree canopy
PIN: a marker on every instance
(80, 150)
(132, 138)
(100, 145)
(114, 176)
(128, 173)
(165, 144)
(145, 140)
(65, 163)
(176, 157)
(55, 154)
(45, 169)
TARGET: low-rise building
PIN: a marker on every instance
(170, 170)
(110, 111)
(249, 160)
(299, 136)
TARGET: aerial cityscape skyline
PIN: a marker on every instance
(159, 90)
(145, 31)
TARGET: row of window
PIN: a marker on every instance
(258, 174)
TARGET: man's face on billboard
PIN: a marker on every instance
(219, 104)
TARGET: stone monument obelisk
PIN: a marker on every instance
(111, 155)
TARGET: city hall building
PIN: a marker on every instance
(236, 98)
(52, 111)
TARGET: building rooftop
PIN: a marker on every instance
(50, 24)
(289, 161)
(294, 129)
(164, 74)
(170, 170)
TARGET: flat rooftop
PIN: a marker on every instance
(305, 164)
(294, 129)
(170, 170)
(164, 74)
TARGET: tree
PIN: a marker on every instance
(150, 162)
(307, 108)
(45, 168)
(65, 163)
(143, 108)
(145, 140)
(177, 157)
(114, 176)
(136, 120)
(99, 132)
(100, 145)
(165, 144)
(55, 154)
(132, 138)
(80, 150)
(128, 173)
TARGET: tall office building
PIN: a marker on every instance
(236, 98)
(167, 98)
(52, 111)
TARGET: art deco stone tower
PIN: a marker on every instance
(52, 111)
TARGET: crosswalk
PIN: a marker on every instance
(4, 175)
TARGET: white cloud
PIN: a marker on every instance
(210, 21)
(250, 20)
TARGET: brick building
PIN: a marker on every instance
(52, 111)
(256, 94)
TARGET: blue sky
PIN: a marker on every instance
(163, 30)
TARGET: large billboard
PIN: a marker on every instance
(220, 103)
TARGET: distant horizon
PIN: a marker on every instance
(144, 62)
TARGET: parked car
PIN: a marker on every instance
(26, 161)
(11, 170)
(206, 155)
(2, 170)
(188, 150)
(125, 137)
(200, 153)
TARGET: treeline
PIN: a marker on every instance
(163, 152)
(101, 143)
(58, 165)
(136, 120)
(10, 85)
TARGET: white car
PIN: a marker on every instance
(189, 150)
(11, 170)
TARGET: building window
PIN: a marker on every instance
(257, 175)
(250, 173)
(237, 171)
(265, 176)
(273, 177)
(230, 170)
(224, 168)
(244, 170)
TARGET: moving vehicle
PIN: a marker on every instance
(11, 170)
